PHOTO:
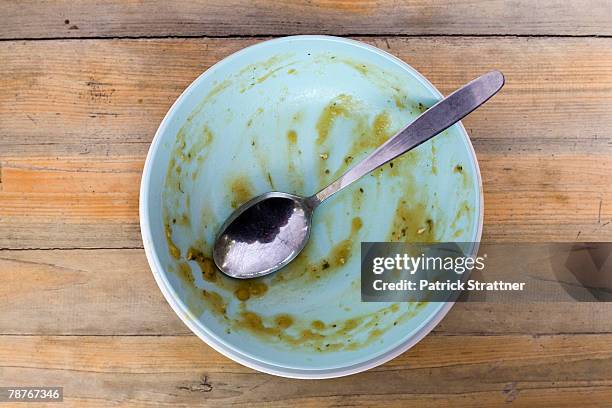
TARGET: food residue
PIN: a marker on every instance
(242, 305)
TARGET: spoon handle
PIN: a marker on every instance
(436, 119)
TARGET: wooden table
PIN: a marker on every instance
(83, 87)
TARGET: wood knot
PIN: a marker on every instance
(201, 386)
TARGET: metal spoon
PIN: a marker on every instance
(269, 231)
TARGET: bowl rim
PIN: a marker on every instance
(157, 269)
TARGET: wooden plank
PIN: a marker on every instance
(116, 18)
(142, 371)
(93, 201)
(78, 116)
(94, 95)
(73, 292)
(81, 174)
(547, 197)
(84, 199)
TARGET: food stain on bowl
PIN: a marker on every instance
(288, 137)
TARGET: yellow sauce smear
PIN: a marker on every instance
(292, 136)
(241, 192)
(339, 107)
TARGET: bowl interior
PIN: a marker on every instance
(291, 115)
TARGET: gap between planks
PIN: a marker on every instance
(272, 36)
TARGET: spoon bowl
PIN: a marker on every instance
(263, 235)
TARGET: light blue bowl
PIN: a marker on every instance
(291, 114)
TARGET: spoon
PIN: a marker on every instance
(269, 231)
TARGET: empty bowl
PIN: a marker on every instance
(292, 114)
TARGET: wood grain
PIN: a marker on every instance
(102, 292)
(76, 118)
(440, 371)
(112, 292)
(67, 198)
(117, 18)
